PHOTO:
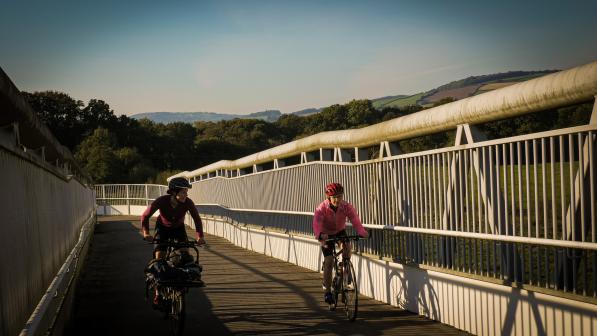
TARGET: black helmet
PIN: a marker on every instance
(178, 183)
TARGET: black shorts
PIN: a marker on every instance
(328, 248)
(164, 233)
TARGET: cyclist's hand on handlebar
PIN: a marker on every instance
(200, 241)
(147, 237)
(322, 238)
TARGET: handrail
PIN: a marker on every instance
(554, 90)
(49, 307)
(444, 233)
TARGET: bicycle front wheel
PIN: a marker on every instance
(177, 313)
(350, 291)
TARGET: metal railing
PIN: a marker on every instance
(519, 209)
(515, 210)
(128, 194)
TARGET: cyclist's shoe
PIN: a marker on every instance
(156, 301)
(329, 298)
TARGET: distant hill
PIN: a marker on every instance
(307, 112)
(190, 117)
(459, 89)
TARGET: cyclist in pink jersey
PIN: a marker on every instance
(329, 221)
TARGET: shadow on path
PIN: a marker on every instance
(247, 294)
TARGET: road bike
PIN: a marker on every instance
(344, 282)
(170, 277)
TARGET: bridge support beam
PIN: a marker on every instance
(387, 149)
(342, 155)
(581, 207)
(360, 154)
(326, 154)
(486, 166)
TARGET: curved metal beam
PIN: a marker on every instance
(559, 89)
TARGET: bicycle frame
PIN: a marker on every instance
(172, 294)
(341, 282)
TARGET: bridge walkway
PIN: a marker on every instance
(247, 294)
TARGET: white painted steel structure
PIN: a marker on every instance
(507, 226)
(516, 213)
(477, 306)
(555, 90)
(47, 208)
(126, 199)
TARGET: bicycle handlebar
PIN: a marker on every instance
(175, 244)
(343, 238)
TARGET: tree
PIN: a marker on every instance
(162, 177)
(97, 114)
(289, 126)
(97, 157)
(60, 113)
(134, 167)
(361, 113)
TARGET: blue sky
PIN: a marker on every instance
(248, 56)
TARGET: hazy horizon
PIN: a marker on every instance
(238, 58)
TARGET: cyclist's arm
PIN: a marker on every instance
(317, 222)
(198, 224)
(352, 214)
(151, 209)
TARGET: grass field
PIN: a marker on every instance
(403, 102)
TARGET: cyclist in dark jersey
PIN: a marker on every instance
(170, 223)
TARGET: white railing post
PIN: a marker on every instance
(104, 198)
(146, 196)
(128, 200)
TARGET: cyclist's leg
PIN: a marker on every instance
(159, 252)
(328, 265)
(180, 234)
(345, 245)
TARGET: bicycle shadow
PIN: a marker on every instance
(110, 294)
(416, 293)
(414, 290)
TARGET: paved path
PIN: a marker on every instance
(247, 294)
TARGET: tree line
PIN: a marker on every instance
(119, 149)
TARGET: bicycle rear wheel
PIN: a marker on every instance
(350, 291)
(177, 312)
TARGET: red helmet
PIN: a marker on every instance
(333, 189)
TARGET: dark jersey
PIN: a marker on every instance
(171, 217)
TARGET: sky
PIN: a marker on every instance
(247, 56)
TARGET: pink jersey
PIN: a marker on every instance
(328, 221)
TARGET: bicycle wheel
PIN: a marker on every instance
(350, 291)
(335, 291)
(177, 313)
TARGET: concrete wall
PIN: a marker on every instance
(117, 210)
(41, 217)
(43, 203)
(479, 307)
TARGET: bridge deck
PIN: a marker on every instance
(246, 294)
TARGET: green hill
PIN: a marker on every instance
(460, 89)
